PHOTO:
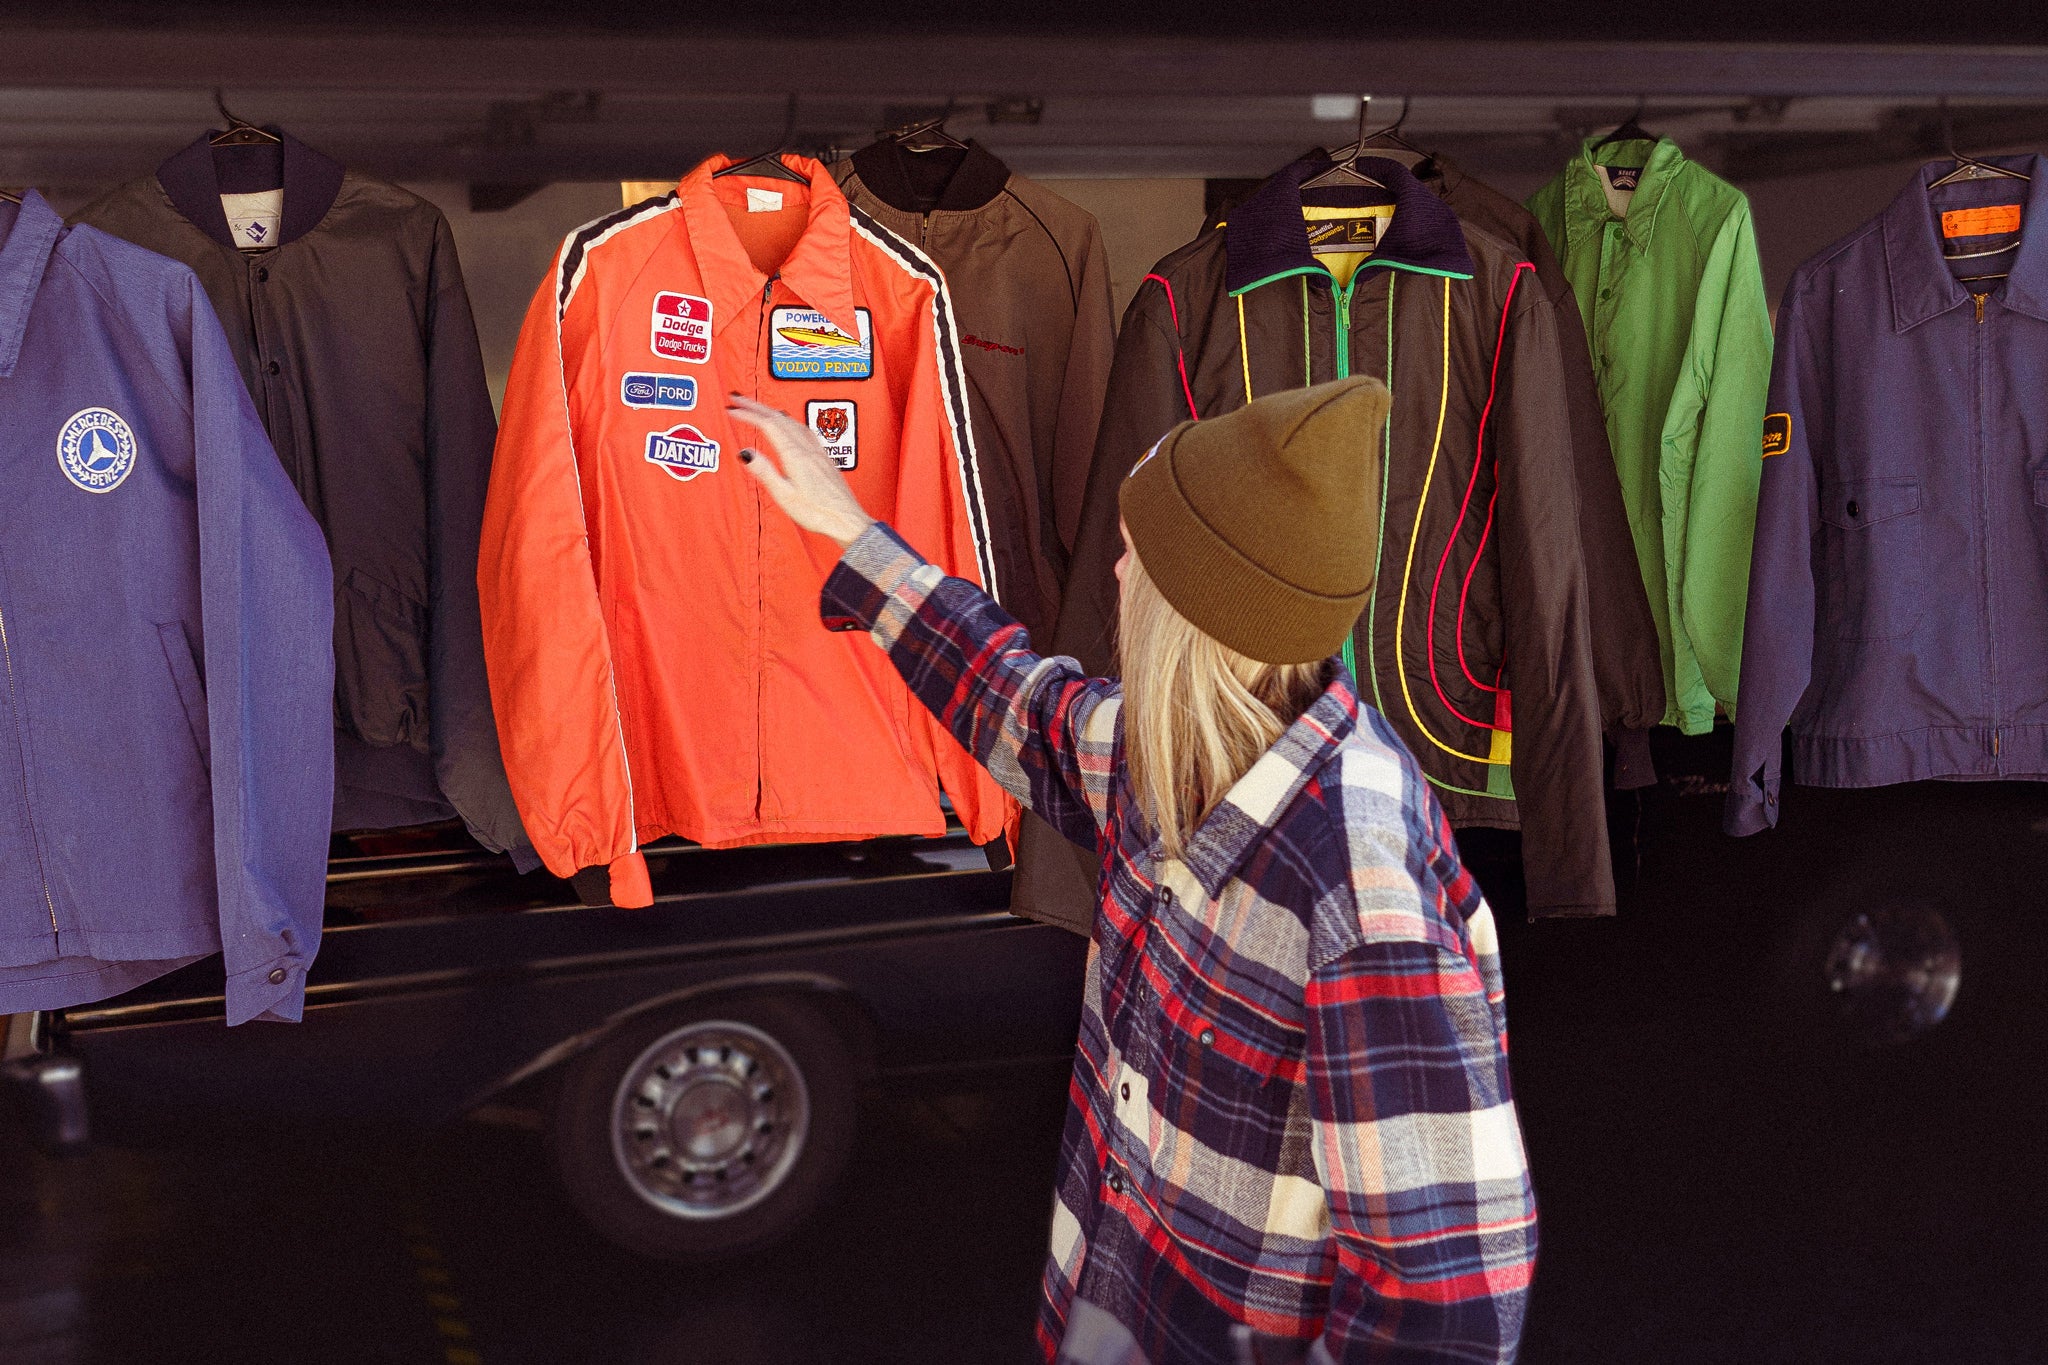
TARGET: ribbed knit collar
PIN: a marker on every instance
(1266, 238)
(196, 177)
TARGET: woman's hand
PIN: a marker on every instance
(808, 485)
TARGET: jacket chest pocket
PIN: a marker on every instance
(1871, 564)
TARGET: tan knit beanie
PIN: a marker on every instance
(1260, 526)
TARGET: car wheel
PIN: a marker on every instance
(698, 1135)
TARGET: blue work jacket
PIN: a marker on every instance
(1898, 590)
(166, 655)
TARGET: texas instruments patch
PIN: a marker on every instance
(1777, 434)
(837, 422)
(681, 328)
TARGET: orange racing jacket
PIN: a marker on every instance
(650, 626)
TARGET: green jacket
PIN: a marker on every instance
(1672, 294)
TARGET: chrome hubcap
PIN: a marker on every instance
(709, 1120)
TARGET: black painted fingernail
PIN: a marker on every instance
(746, 457)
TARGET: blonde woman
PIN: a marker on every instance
(1289, 1134)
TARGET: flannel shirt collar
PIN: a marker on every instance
(1255, 803)
(1921, 282)
(1586, 194)
(819, 268)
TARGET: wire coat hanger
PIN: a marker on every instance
(1630, 129)
(769, 164)
(1345, 170)
(925, 135)
(11, 196)
(1391, 134)
(239, 132)
(1967, 167)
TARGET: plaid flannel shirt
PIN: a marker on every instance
(1290, 1104)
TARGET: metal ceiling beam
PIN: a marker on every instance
(924, 64)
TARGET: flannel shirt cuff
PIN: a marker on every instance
(865, 577)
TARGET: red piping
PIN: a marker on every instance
(1180, 357)
(1464, 510)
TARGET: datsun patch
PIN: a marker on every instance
(96, 449)
(804, 344)
(837, 422)
(682, 452)
(658, 391)
(681, 328)
(1777, 434)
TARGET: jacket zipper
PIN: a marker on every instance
(1344, 326)
(21, 752)
(1977, 428)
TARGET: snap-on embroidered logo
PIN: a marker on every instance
(96, 449)
(807, 345)
(658, 391)
(1777, 434)
(681, 328)
(682, 452)
(837, 422)
(992, 345)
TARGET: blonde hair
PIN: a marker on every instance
(1197, 714)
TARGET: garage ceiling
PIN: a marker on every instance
(499, 106)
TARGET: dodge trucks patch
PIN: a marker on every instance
(681, 328)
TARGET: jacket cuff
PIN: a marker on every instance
(1752, 805)
(631, 890)
(275, 991)
(870, 571)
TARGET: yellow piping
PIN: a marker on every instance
(1414, 538)
(1244, 350)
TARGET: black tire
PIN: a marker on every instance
(722, 1198)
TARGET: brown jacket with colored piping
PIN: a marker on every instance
(1482, 577)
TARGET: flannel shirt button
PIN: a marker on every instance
(1127, 1090)
(277, 976)
(1116, 1183)
(1208, 1037)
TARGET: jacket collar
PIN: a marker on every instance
(819, 268)
(1585, 189)
(1266, 239)
(1257, 800)
(1921, 283)
(192, 179)
(24, 255)
(892, 174)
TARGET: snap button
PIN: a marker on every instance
(1852, 507)
(1116, 1183)
(1208, 1037)
(1127, 1090)
(263, 275)
(277, 976)
(272, 368)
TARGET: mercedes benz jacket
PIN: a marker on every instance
(1030, 287)
(166, 658)
(655, 655)
(1481, 591)
(1672, 296)
(1898, 598)
(353, 334)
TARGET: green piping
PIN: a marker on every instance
(1366, 264)
(1296, 270)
